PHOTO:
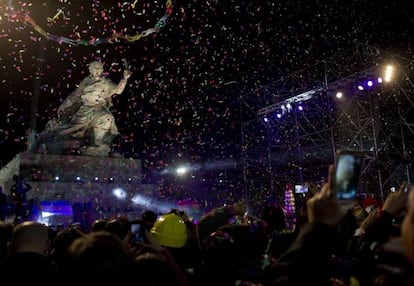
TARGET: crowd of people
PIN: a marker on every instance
(329, 245)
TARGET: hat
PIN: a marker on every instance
(170, 230)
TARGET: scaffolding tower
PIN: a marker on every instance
(292, 127)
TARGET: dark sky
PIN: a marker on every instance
(181, 103)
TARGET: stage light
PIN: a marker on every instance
(289, 107)
(266, 119)
(360, 87)
(119, 193)
(78, 178)
(339, 94)
(370, 83)
(300, 108)
(139, 200)
(388, 73)
(96, 179)
(283, 109)
(379, 80)
(279, 115)
(46, 214)
(57, 178)
(180, 171)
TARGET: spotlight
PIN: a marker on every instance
(379, 79)
(180, 171)
(388, 73)
(360, 87)
(119, 193)
(279, 115)
(57, 178)
(289, 107)
(300, 108)
(78, 178)
(266, 119)
(370, 83)
(339, 94)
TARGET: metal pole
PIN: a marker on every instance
(269, 158)
(298, 149)
(376, 157)
(407, 169)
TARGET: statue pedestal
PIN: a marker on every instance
(95, 187)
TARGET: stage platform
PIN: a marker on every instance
(65, 187)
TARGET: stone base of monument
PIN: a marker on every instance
(68, 189)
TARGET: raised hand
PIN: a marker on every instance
(127, 74)
(324, 207)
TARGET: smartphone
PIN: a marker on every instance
(135, 228)
(408, 188)
(300, 189)
(136, 233)
(348, 167)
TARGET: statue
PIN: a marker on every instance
(84, 121)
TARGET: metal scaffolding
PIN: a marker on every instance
(292, 127)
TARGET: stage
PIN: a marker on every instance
(70, 189)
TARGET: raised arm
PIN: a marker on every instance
(121, 85)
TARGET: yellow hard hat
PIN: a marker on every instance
(170, 230)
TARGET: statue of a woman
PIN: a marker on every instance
(84, 121)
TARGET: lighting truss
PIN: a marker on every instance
(300, 146)
(291, 100)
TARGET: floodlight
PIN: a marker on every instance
(388, 73)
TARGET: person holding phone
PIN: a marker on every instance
(347, 174)
(312, 250)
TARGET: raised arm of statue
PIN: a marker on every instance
(121, 85)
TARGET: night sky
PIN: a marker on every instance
(182, 101)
